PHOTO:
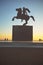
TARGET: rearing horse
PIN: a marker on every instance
(23, 17)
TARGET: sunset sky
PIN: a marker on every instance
(8, 10)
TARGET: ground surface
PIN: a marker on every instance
(21, 44)
(21, 53)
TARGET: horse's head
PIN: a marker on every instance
(18, 9)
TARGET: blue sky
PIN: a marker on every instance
(8, 10)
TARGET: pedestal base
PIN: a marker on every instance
(22, 33)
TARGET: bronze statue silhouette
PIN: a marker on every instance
(19, 10)
(23, 15)
(25, 11)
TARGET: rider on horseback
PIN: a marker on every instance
(25, 11)
(19, 12)
(23, 15)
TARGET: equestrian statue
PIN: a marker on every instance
(22, 14)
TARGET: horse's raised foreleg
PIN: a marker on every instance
(13, 18)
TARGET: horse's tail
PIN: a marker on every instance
(32, 18)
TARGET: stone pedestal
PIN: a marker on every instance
(22, 33)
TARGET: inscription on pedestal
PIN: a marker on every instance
(22, 33)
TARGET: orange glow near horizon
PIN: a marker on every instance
(4, 36)
(9, 37)
(37, 37)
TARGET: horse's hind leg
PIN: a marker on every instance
(25, 23)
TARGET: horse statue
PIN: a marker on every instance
(23, 16)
